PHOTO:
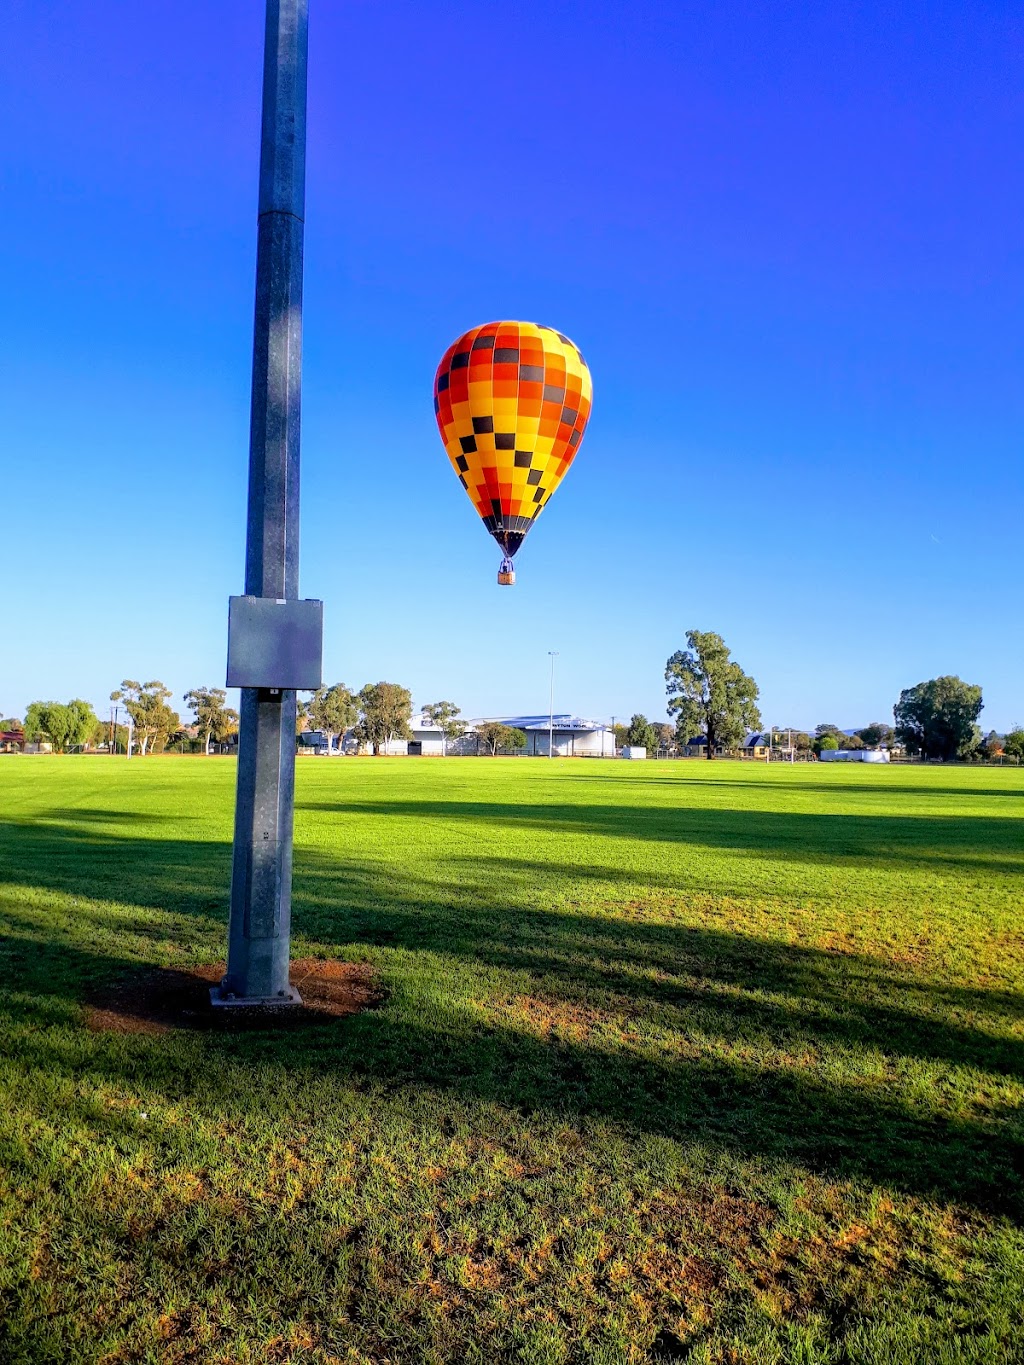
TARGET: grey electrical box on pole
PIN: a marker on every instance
(261, 873)
(275, 643)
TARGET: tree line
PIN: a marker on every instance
(155, 725)
(709, 695)
(380, 713)
(715, 701)
(377, 714)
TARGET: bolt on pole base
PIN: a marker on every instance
(221, 999)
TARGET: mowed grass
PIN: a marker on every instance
(680, 1061)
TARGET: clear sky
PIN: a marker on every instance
(786, 237)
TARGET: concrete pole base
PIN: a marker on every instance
(221, 1001)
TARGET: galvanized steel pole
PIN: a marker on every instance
(261, 876)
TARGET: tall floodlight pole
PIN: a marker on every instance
(261, 873)
(551, 706)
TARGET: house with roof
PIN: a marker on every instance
(697, 747)
(754, 746)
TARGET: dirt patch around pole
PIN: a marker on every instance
(159, 999)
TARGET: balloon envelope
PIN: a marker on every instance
(512, 401)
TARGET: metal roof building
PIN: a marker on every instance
(571, 736)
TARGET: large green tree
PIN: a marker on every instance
(152, 718)
(301, 715)
(332, 711)
(709, 693)
(111, 737)
(1013, 743)
(642, 734)
(836, 738)
(938, 719)
(37, 717)
(664, 736)
(827, 728)
(80, 724)
(385, 710)
(877, 734)
(445, 715)
(992, 746)
(63, 726)
(499, 737)
(215, 720)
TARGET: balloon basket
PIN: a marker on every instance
(506, 574)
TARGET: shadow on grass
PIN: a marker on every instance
(975, 843)
(755, 1047)
(797, 782)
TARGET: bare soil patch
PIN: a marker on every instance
(160, 999)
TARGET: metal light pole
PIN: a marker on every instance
(130, 724)
(551, 706)
(261, 874)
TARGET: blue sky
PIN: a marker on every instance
(787, 239)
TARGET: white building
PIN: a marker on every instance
(571, 736)
(427, 740)
(854, 755)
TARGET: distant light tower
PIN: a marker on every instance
(551, 706)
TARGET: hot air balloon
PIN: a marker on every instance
(512, 401)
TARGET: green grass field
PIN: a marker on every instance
(678, 1061)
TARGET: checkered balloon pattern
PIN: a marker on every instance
(512, 401)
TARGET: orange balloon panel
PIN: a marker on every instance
(512, 400)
